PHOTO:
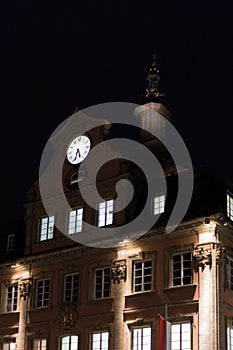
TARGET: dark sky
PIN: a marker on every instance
(54, 57)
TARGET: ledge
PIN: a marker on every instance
(177, 288)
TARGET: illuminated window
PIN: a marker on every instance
(105, 213)
(10, 242)
(229, 271)
(181, 336)
(9, 346)
(229, 335)
(47, 228)
(142, 276)
(12, 297)
(75, 221)
(141, 338)
(40, 344)
(69, 342)
(181, 269)
(158, 204)
(42, 292)
(102, 283)
(71, 287)
(230, 206)
(100, 341)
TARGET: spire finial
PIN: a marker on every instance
(153, 78)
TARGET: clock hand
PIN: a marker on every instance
(77, 153)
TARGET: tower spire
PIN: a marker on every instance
(153, 78)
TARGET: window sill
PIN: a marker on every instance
(101, 300)
(142, 294)
(174, 288)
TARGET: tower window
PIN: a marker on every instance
(158, 204)
(10, 242)
(230, 206)
(47, 228)
(75, 221)
(105, 213)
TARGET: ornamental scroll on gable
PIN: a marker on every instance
(118, 271)
(68, 315)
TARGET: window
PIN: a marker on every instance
(105, 214)
(71, 287)
(159, 204)
(181, 336)
(141, 338)
(69, 342)
(181, 269)
(10, 242)
(47, 228)
(39, 344)
(12, 297)
(42, 292)
(229, 335)
(230, 206)
(100, 341)
(75, 221)
(229, 271)
(142, 276)
(9, 346)
(102, 283)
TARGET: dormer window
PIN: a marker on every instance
(230, 206)
(46, 228)
(10, 243)
(158, 205)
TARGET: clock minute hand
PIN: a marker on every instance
(77, 154)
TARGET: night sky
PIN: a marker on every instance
(55, 57)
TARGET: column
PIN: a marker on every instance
(24, 293)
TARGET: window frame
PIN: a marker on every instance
(182, 284)
(143, 290)
(77, 227)
(64, 286)
(108, 215)
(180, 340)
(100, 345)
(159, 207)
(40, 345)
(103, 268)
(10, 246)
(141, 345)
(70, 339)
(229, 269)
(230, 205)
(13, 298)
(43, 299)
(47, 238)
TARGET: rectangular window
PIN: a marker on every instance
(141, 338)
(105, 213)
(229, 271)
(229, 335)
(10, 242)
(12, 297)
(181, 269)
(71, 287)
(69, 342)
(159, 204)
(9, 346)
(100, 341)
(230, 206)
(102, 283)
(75, 221)
(181, 336)
(47, 228)
(42, 292)
(39, 344)
(142, 276)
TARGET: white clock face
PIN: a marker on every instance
(78, 149)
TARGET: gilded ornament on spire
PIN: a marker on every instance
(153, 78)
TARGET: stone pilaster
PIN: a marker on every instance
(24, 290)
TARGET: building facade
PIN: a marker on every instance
(160, 291)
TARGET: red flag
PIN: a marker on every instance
(161, 326)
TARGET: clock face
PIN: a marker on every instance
(78, 149)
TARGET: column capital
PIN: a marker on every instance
(118, 271)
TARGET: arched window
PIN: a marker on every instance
(69, 342)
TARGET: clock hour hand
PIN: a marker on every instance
(77, 154)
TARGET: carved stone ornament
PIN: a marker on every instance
(24, 288)
(118, 271)
(68, 315)
(202, 257)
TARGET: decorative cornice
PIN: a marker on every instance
(118, 271)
